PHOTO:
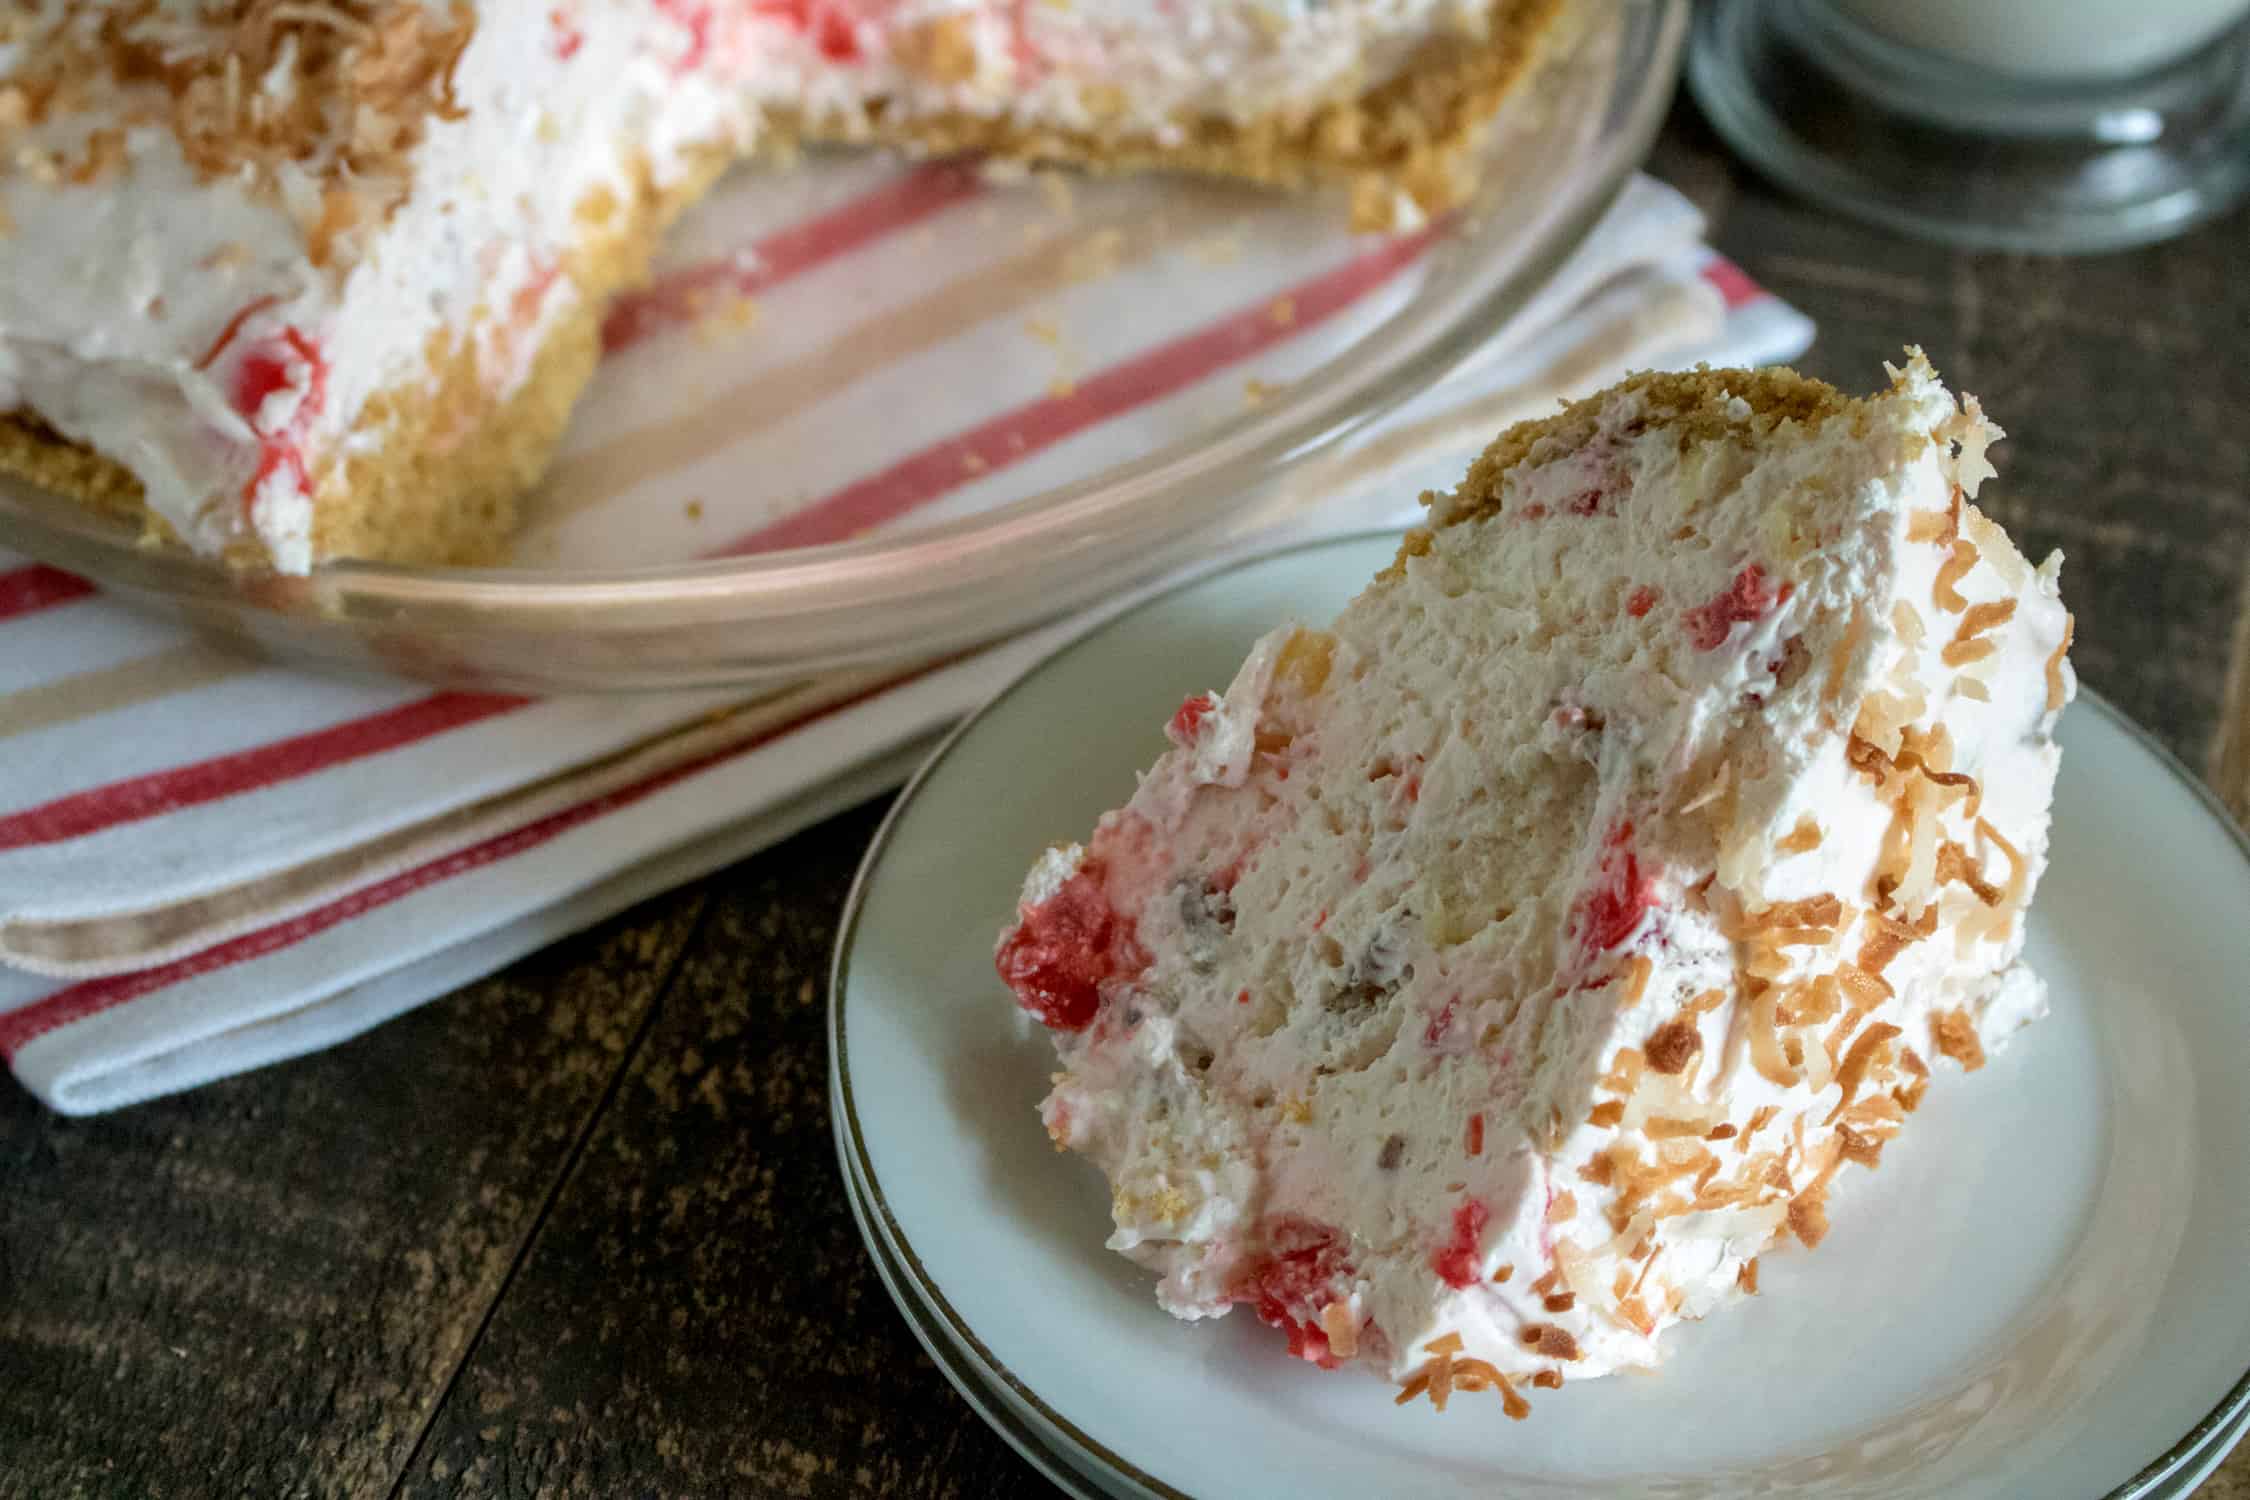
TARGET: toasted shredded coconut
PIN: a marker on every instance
(1674, 1046)
(1758, 1121)
(1840, 660)
(1956, 567)
(1853, 1070)
(1765, 1044)
(1907, 621)
(2057, 694)
(1929, 526)
(1954, 1035)
(1341, 1328)
(1979, 618)
(1955, 864)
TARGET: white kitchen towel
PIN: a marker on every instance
(205, 866)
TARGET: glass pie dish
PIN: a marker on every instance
(871, 410)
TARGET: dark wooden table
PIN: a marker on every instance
(578, 1230)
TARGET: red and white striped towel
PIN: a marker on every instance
(208, 865)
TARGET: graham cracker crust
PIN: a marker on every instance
(1416, 134)
(1698, 404)
(445, 485)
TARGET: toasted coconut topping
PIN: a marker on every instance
(1675, 1045)
(1972, 687)
(1840, 659)
(1548, 1380)
(1936, 525)
(1954, 1035)
(1979, 618)
(1956, 566)
(1852, 1071)
(342, 89)
(1956, 864)
(1953, 784)
(1864, 988)
(1444, 1374)
(1637, 970)
(1967, 653)
(1890, 936)
(1886, 713)
(1759, 1120)
(1667, 1128)
(1444, 1343)
(1811, 1003)
(2015, 892)
(1808, 1210)
(1505, 1272)
(2057, 694)
(1747, 1276)
(1764, 962)
(1551, 1340)
(1834, 1045)
(1801, 839)
(1818, 1063)
(1867, 759)
(1723, 1131)
(1865, 1150)
(1625, 1074)
(1765, 1043)
(1813, 911)
(1877, 1114)
(1606, 1113)
(1563, 1207)
(1907, 621)
(1929, 750)
(1341, 1328)
(1808, 1219)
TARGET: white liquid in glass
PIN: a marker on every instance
(2058, 40)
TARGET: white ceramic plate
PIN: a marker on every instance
(2040, 1294)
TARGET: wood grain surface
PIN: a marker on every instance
(579, 1230)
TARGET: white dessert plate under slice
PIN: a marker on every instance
(2040, 1293)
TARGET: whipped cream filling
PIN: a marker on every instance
(1601, 885)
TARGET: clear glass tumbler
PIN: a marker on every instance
(2045, 125)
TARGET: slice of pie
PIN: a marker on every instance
(1479, 985)
(303, 279)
